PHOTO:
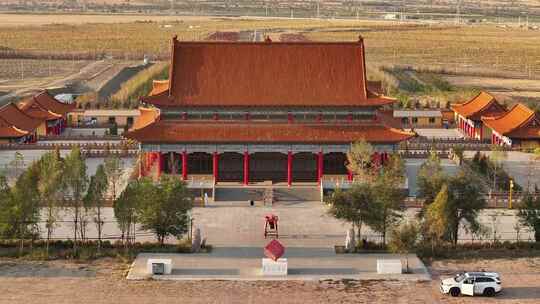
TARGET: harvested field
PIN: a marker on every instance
(24, 69)
(507, 89)
(437, 46)
(97, 282)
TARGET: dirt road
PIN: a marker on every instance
(103, 282)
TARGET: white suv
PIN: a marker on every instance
(472, 283)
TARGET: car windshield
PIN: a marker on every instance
(459, 277)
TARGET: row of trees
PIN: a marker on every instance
(162, 207)
(452, 202)
(52, 184)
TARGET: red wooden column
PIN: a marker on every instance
(215, 166)
(184, 165)
(159, 164)
(350, 175)
(320, 163)
(289, 168)
(246, 168)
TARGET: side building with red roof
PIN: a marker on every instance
(16, 126)
(244, 112)
(468, 115)
(52, 112)
(519, 127)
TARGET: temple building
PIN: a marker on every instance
(519, 127)
(249, 112)
(16, 126)
(468, 115)
(52, 112)
(39, 115)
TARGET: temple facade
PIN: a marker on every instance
(468, 115)
(39, 115)
(519, 127)
(251, 112)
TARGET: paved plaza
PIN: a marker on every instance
(244, 263)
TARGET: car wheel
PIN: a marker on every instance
(454, 292)
(489, 292)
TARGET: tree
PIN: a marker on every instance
(19, 209)
(458, 152)
(403, 240)
(430, 178)
(359, 160)
(497, 156)
(17, 163)
(95, 199)
(352, 205)
(49, 189)
(436, 219)
(464, 204)
(125, 206)
(529, 214)
(75, 182)
(166, 213)
(387, 196)
(113, 170)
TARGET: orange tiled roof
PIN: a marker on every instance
(159, 86)
(147, 116)
(7, 130)
(229, 74)
(44, 106)
(52, 104)
(481, 105)
(11, 114)
(520, 122)
(171, 131)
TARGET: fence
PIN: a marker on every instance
(496, 200)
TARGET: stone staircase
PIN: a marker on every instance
(295, 194)
(233, 194)
(277, 194)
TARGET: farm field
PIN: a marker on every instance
(483, 53)
(19, 70)
(442, 46)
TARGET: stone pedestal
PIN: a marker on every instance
(167, 263)
(274, 268)
(389, 267)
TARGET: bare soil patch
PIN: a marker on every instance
(520, 279)
(103, 281)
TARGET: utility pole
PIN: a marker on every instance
(458, 12)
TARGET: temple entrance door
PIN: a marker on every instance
(304, 167)
(268, 166)
(231, 167)
(200, 163)
(335, 163)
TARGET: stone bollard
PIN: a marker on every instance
(350, 241)
(196, 241)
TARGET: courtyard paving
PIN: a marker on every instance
(244, 263)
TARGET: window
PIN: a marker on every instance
(405, 120)
(483, 280)
(112, 119)
(130, 121)
(432, 120)
(415, 120)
